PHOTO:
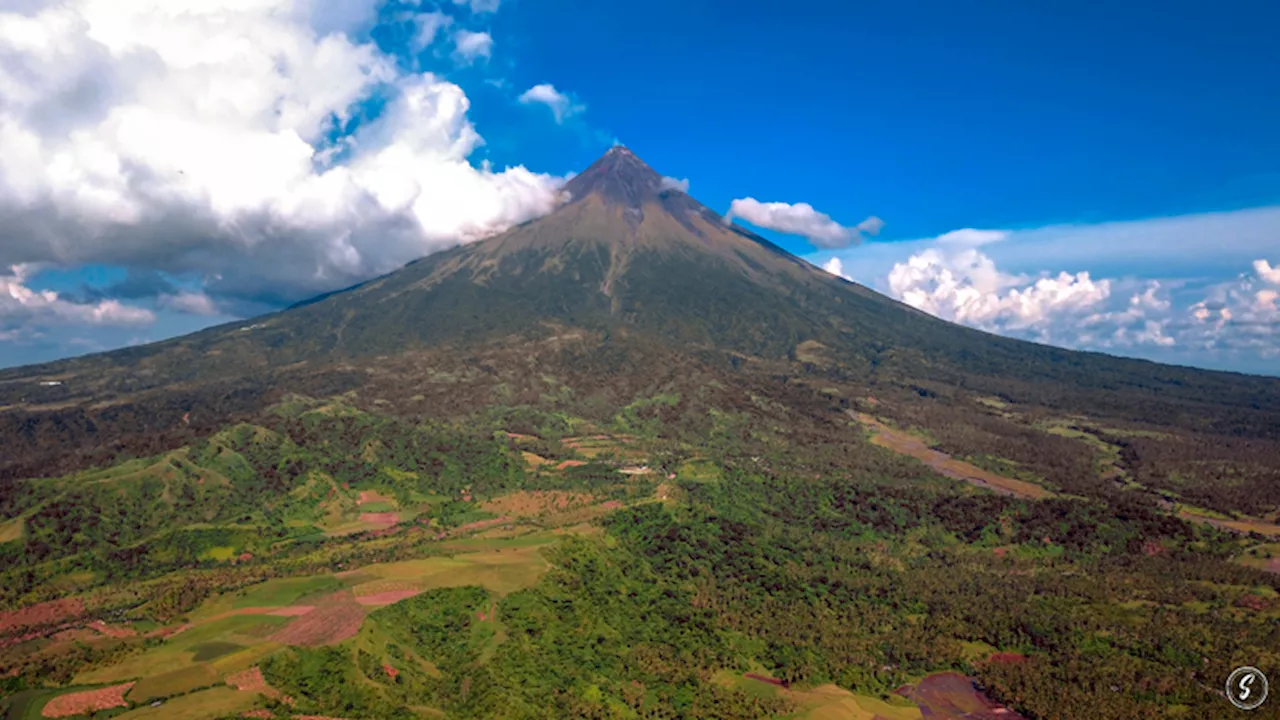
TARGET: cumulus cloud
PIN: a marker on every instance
(563, 106)
(801, 219)
(1240, 315)
(1267, 273)
(955, 280)
(670, 183)
(835, 267)
(24, 310)
(197, 141)
(965, 286)
(470, 46)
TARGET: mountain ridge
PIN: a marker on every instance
(632, 266)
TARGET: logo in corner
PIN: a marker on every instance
(1247, 688)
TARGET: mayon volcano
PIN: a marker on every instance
(629, 460)
(626, 265)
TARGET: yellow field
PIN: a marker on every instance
(502, 571)
(905, 443)
(204, 705)
(825, 702)
(11, 530)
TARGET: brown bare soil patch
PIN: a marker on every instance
(291, 611)
(390, 671)
(570, 463)
(386, 598)
(40, 614)
(952, 695)
(518, 436)
(89, 701)
(369, 496)
(906, 444)
(257, 714)
(1273, 566)
(1008, 658)
(1253, 602)
(334, 619)
(385, 519)
(250, 680)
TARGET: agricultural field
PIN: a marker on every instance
(330, 562)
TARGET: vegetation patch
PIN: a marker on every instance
(211, 704)
(176, 682)
(11, 530)
(213, 650)
(285, 591)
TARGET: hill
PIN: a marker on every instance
(629, 460)
(625, 266)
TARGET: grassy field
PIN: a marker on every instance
(180, 651)
(226, 635)
(177, 682)
(824, 702)
(203, 705)
(286, 591)
(11, 530)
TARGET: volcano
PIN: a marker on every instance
(625, 268)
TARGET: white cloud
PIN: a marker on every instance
(969, 237)
(562, 105)
(470, 46)
(1239, 315)
(835, 267)
(428, 26)
(955, 280)
(1266, 272)
(480, 6)
(801, 219)
(670, 183)
(192, 139)
(23, 310)
(965, 286)
(191, 303)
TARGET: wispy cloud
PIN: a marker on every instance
(563, 105)
(480, 6)
(471, 46)
(670, 183)
(802, 219)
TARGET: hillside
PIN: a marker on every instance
(630, 461)
(624, 266)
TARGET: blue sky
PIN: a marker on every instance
(1121, 160)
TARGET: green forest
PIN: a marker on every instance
(849, 565)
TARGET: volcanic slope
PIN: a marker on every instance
(625, 265)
